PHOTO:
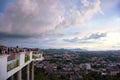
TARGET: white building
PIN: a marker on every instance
(88, 66)
(20, 68)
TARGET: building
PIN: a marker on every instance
(19, 68)
(88, 66)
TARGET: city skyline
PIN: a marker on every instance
(86, 24)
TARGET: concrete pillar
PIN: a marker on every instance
(3, 67)
(32, 70)
(31, 53)
(28, 72)
(22, 58)
(19, 75)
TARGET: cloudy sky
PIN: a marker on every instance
(87, 24)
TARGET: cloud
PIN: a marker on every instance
(5, 35)
(80, 16)
(72, 40)
(108, 4)
(42, 17)
(86, 39)
(116, 45)
(38, 17)
(78, 40)
(95, 36)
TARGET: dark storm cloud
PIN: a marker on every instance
(5, 35)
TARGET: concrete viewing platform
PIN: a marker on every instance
(22, 67)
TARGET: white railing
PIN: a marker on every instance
(11, 67)
(12, 64)
(37, 57)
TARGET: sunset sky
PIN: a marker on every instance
(86, 24)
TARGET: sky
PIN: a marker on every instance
(85, 24)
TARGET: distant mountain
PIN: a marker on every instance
(77, 49)
(62, 50)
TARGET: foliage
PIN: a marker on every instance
(34, 57)
(40, 74)
(95, 76)
(13, 65)
(27, 58)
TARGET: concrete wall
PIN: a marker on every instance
(4, 75)
(3, 67)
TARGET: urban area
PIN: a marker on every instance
(70, 64)
(77, 64)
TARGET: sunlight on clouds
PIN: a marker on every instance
(113, 38)
(90, 24)
(104, 43)
(107, 42)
